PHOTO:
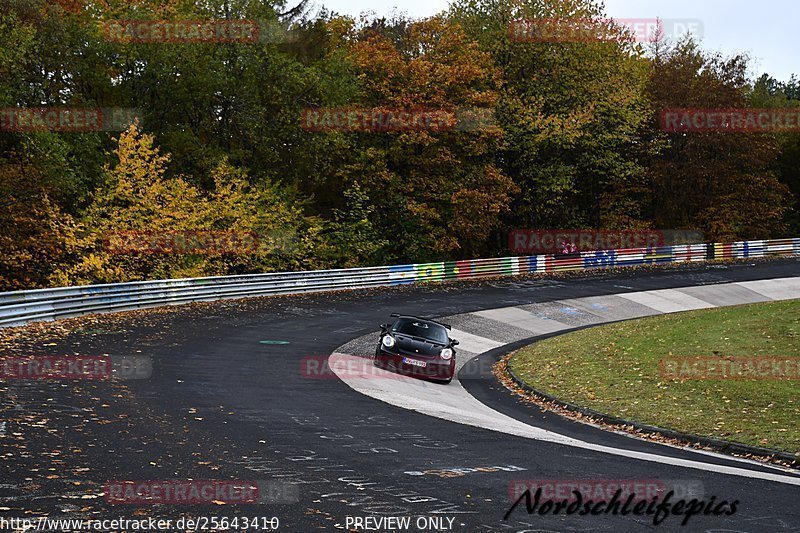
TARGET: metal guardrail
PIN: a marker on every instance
(21, 307)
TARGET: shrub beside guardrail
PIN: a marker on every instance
(21, 307)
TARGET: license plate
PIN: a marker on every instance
(414, 362)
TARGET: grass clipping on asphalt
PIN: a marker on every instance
(615, 369)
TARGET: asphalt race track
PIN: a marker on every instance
(223, 404)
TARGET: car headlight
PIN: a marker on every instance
(388, 341)
(446, 354)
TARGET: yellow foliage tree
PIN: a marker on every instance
(138, 196)
(36, 237)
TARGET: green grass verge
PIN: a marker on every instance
(614, 369)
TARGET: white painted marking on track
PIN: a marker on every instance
(775, 289)
(523, 319)
(473, 343)
(667, 300)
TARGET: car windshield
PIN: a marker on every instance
(420, 328)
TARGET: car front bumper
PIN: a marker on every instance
(435, 368)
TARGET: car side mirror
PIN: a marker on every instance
(454, 342)
(384, 327)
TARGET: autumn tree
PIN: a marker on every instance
(137, 196)
(549, 133)
(767, 92)
(571, 112)
(36, 237)
(719, 182)
(426, 183)
(285, 238)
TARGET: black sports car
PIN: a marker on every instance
(417, 346)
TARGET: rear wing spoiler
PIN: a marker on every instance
(398, 315)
